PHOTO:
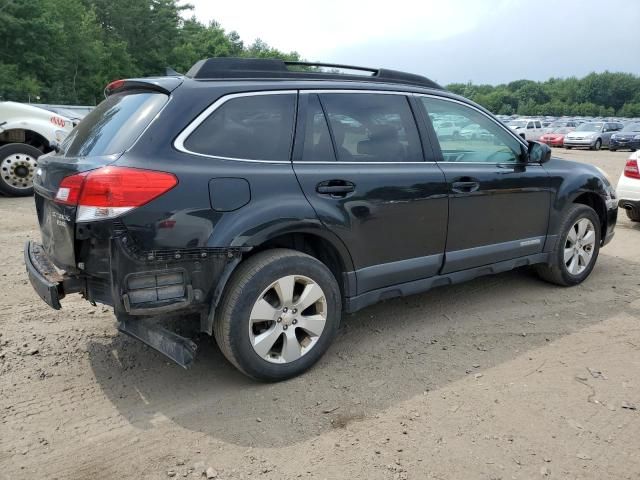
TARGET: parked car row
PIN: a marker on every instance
(592, 133)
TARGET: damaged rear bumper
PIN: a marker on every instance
(140, 285)
(50, 285)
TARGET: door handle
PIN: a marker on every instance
(337, 188)
(464, 187)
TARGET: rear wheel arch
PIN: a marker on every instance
(335, 257)
(317, 246)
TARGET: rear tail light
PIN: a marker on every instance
(631, 169)
(112, 191)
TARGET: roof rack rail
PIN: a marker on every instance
(273, 68)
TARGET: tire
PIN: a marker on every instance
(612, 149)
(633, 215)
(597, 145)
(253, 293)
(558, 271)
(568, 148)
(18, 162)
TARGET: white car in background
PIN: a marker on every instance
(628, 190)
(26, 132)
(527, 128)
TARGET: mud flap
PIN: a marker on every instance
(179, 349)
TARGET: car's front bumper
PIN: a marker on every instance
(620, 144)
(587, 142)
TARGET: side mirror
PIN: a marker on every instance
(538, 152)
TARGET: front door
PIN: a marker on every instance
(359, 161)
(498, 204)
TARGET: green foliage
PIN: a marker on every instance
(598, 94)
(66, 51)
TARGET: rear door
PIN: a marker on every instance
(359, 160)
(498, 205)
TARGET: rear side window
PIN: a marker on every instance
(317, 139)
(114, 125)
(255, 127)
(372, 127)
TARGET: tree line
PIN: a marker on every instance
(598, 94)
(66, 51)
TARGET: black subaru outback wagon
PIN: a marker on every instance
(269, 199)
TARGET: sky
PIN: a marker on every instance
(482, 41)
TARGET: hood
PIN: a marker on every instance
(581, 135)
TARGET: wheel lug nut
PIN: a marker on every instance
(279, 319)
(284, 327)
(295, 310)
(295, 321)
(285, 309)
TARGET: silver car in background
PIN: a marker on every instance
(592, 135)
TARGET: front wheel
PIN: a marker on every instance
(577, 249)
(597, 145)
(279, 313)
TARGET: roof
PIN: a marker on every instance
(270, 68)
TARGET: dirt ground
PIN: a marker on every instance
(505, 377)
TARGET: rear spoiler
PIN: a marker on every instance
(158, 84)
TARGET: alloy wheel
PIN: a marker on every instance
(287, 319)
(579, 246)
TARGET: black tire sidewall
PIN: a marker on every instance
(238, 316)
(577, 212)
(12, 149)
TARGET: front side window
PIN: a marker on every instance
(481, 140)
(254, 127)
(371, 127)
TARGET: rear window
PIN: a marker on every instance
(114, 125)
(254, 127)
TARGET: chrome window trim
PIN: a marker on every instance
(497, 122)
(188, 130)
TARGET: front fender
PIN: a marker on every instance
(571, 180)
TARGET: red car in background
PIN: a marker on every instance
(555, 138)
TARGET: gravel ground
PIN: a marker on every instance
(503, 377)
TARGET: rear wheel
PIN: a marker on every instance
(577, 249)
(279, 314)
(568, 148)
(634, 215)
(18, 163)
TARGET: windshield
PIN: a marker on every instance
(517, 123)
(562, 130)
(114, 125)
(632, 127)
(589, 127)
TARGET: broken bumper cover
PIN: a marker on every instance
(44, 277)
(179, 349)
